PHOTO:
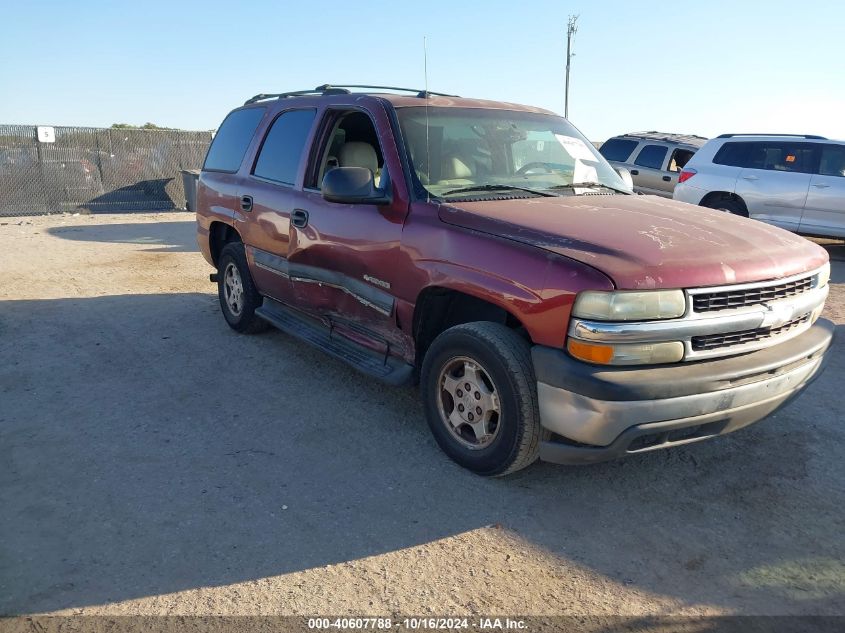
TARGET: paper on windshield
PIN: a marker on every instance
(575, 147)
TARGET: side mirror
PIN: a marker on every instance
(625, 175)
(352, 185)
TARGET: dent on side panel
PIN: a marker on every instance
(533, 285)
(565, 279)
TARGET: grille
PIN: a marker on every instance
(715, 341)
(727, 299)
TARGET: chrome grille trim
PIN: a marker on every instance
(728, 299)
(721, 341)
(756, 285)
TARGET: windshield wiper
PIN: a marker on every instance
(588, 185)
(493, 187)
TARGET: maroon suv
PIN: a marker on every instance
(488, 251)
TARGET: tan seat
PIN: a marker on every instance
(455, 171)
(359, 154)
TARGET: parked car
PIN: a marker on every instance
(654, 159)
(796, 182)
(489, 252)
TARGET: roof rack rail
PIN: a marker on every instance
(422, 94)
(811, 136)
(666, 136)
(319, 91)
(330, 89)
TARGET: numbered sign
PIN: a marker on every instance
(46, 134)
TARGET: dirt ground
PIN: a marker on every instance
(152, 461)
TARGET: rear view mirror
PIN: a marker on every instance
(352, 185)
(625, 175)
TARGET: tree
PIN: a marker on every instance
(146, 126)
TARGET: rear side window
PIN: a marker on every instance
(651, 156)
(281, 151)
(232, 139)
(618, 149)
(781, 156)
(832, 160)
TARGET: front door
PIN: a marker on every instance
(677, 159)
(774, 184)
(342, 257)
(824, 213)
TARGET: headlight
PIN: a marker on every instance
(823, 276)
(627, 353)
(630, 306)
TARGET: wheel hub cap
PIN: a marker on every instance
(469, 403)
(233, 289)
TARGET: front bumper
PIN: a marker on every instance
(598, 413)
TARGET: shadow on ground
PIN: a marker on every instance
(164, 237)
(144, 195)
(148, 449)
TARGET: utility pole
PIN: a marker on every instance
(571, 29)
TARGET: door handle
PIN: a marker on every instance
(667, 178)
(299, 218)
(635, 172)
(821, 185)
(750, 178)
(246, 203)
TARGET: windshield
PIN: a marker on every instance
(481, 153)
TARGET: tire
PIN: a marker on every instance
(494, 360)
(238, 307)
(729, 205)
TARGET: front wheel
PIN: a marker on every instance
(480, 398)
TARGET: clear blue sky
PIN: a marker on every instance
(701, 67)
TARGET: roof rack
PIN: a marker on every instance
(811, 136)
(331, 89)
(668, 136)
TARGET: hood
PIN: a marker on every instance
(645, 241)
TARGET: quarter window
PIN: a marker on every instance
(280, 154)
(618, 149)
(651, 156)
(733, 154)
(232, 139)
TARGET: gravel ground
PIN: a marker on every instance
(152, 461)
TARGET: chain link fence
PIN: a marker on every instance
(95, 169)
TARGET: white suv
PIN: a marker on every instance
(795, 182)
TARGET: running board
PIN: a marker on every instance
(384, 367)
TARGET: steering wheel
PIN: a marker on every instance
(522, 171)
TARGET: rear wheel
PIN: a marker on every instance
(480, 397)
(728, 205)
(238, 295)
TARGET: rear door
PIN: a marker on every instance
(649, 169)
(268, 198)
(775, 182)
(824, 212)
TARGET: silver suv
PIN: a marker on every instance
(655, 159)
(796, 182)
